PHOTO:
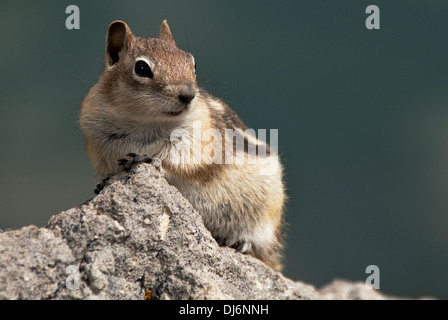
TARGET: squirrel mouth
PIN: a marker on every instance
(174, 113)
(178, 112)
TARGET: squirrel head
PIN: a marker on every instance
(147, 77)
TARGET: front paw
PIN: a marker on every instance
(135, 159)
(100, 186)
(242, 246)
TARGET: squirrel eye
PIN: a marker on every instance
(142, 69)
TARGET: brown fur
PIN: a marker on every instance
(127, 112)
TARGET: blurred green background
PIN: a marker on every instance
(362, 118)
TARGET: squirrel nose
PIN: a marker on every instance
(187, 95)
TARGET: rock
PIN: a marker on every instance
(139, 238)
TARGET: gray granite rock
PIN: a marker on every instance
(139, 238)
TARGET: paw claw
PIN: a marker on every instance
(221, 241)
(100, 186)
(122, 162)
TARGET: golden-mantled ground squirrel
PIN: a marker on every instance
(147, 102)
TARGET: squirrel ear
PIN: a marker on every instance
(119, 38)
(165, 32)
